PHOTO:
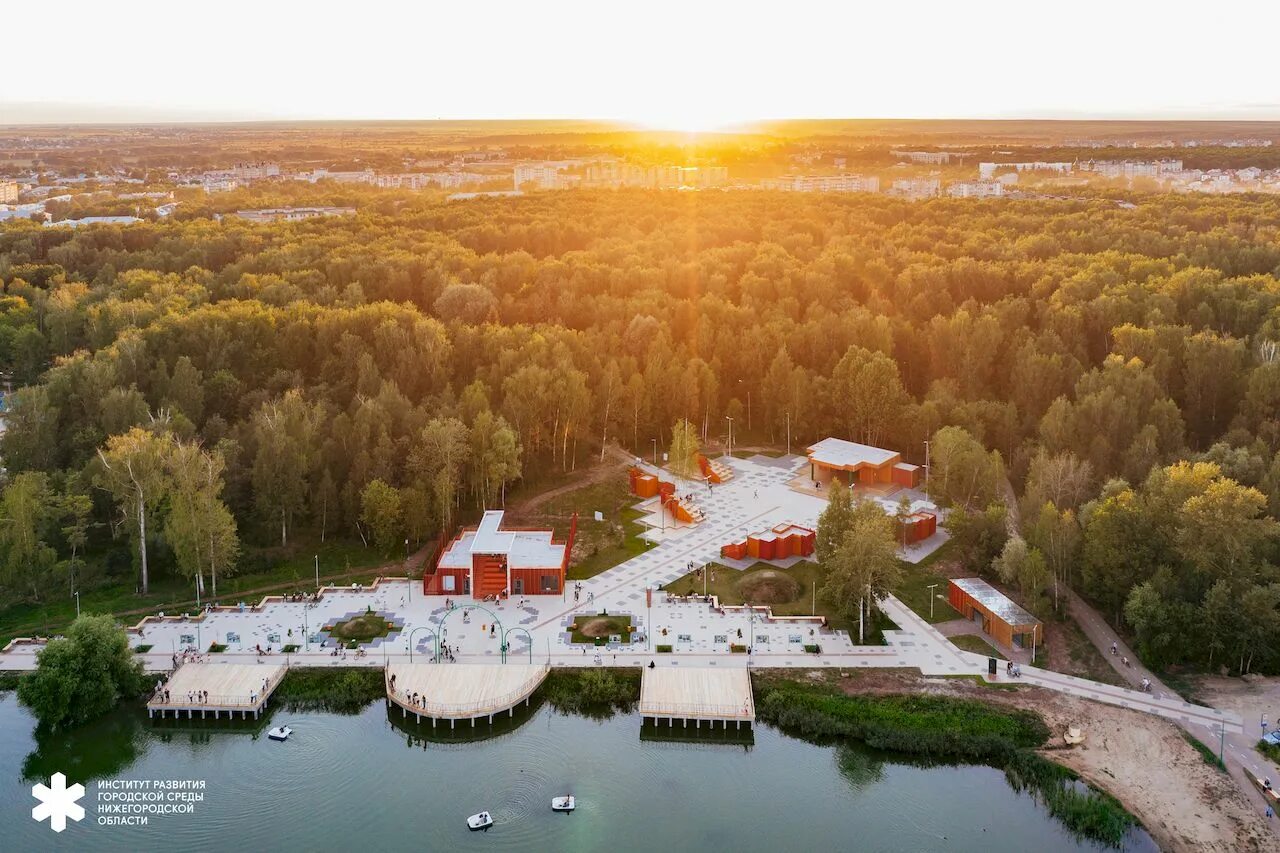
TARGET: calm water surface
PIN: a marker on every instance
(371, 782)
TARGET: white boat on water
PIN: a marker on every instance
(280, 733)
(484, 820)
(563, 804)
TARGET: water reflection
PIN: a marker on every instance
(858, 766)
(98, 749)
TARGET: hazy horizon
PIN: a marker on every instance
(667, 65)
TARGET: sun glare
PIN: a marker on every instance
(690, 122)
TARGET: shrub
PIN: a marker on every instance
(593, 692)
(216, 648)
(943, 727)
(82, 675)
(737, 648)
(344, 690)
(813, 649)
(662, 648)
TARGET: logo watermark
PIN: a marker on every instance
(58, 802)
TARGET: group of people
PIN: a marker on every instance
(297, 597)
(188, 655)
(1012, 669)
(577, 592)
(1115, 651)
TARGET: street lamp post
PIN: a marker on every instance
(317, 572)
(932, 587)
(407, 577)
(306, 632)
(788, 433)
(729, 418)
(655, 452)
(77, 595)
(926, 470)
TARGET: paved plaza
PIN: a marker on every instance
(536, 628)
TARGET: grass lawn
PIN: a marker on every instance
(974, 643)
(360, 629)
(1085, 659)
(170, 594)
(599, 545)
(914, 590)
(592, 629)
(789, 592)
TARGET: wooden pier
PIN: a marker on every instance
(697, 693)
(459, 691)
(217, 688)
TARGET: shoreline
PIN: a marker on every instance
(1122, 785)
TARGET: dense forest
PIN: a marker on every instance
(188, 390)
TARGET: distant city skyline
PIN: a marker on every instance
(664, 64)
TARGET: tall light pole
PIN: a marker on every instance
(788, 433)
(77, 595)
(655, 452)
(932, 587)
(741, 382)
(729, 418)
(926, 470)
(317, 572)
(408, 580)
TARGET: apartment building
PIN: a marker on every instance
(845, 183)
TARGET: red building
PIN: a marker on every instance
(783, 541)
(860, 465)
(488, 561)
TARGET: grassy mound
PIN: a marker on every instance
(769, 586)
(360, 629)
(589, 629)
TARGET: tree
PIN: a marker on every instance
(135, 474)
(963, 472)
(380, 512)
(1062, 479)
(74, 510)
(865, 567)
(683, 458)
(979, 536)
(199, 527)
(26, 508)
(82, 675)
(285, 431)
(1056, 535)
(834, 522)
(436, 463)
(1118, 551)
(1024, 567)
(868, 391)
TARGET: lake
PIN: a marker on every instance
(372, 782)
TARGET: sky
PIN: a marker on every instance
(692, 65)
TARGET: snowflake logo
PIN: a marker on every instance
(58, 803)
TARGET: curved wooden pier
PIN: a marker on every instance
(460, 691)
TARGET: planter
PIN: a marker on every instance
(662, 649)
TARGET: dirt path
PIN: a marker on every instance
(615, 460)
